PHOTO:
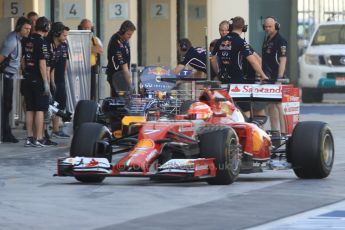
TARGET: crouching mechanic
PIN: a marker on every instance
(194, 57)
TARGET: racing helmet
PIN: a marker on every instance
(200, 110)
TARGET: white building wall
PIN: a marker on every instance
(219, 10)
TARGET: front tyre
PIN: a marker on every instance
(84, 145)
(311, 150)
(222, 144)
(85, 111)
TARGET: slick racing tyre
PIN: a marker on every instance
(311, 150)
(84, 145)
(85, 111)
(222, 144)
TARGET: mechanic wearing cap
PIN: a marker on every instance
(274, 53)
(188, 55)
(35, 83)
(119, 54)
(230, 50)
(59, 59)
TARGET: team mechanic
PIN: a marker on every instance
(188, 55)
(35, 83)
(59, 59)
(119, 54)
(230, 50)
(251, 77)
(274, 53)
(10, 56)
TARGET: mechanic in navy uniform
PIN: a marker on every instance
(10, 56)
(274, 58)
(119, 54)
(252, 77)
(188, 55)
(59, 59)
(35, 84)
(223, 29)
(230, 51)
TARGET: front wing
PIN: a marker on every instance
(175, 168)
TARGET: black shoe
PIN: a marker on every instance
(10, 139)
(48, 142)
(46, 134)
(30, 142)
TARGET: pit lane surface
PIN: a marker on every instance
(31, 198)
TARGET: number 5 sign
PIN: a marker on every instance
(13, 8)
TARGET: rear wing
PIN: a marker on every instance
(288, 95)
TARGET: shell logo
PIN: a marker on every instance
(145, 143)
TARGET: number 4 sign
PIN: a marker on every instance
(73, 10)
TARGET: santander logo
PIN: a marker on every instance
(256, 90)
(262, 89)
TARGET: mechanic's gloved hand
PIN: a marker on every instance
(46, 88)
(53, 86)
(51, 99)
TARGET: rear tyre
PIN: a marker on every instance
(311, 150)
(310, 95)
(222, 144)
(85, 111)
(84, 145)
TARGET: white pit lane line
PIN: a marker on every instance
(327, 217)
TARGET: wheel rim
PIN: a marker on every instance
(327, 150)
(232, 156)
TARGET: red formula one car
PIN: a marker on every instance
(211, 142)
